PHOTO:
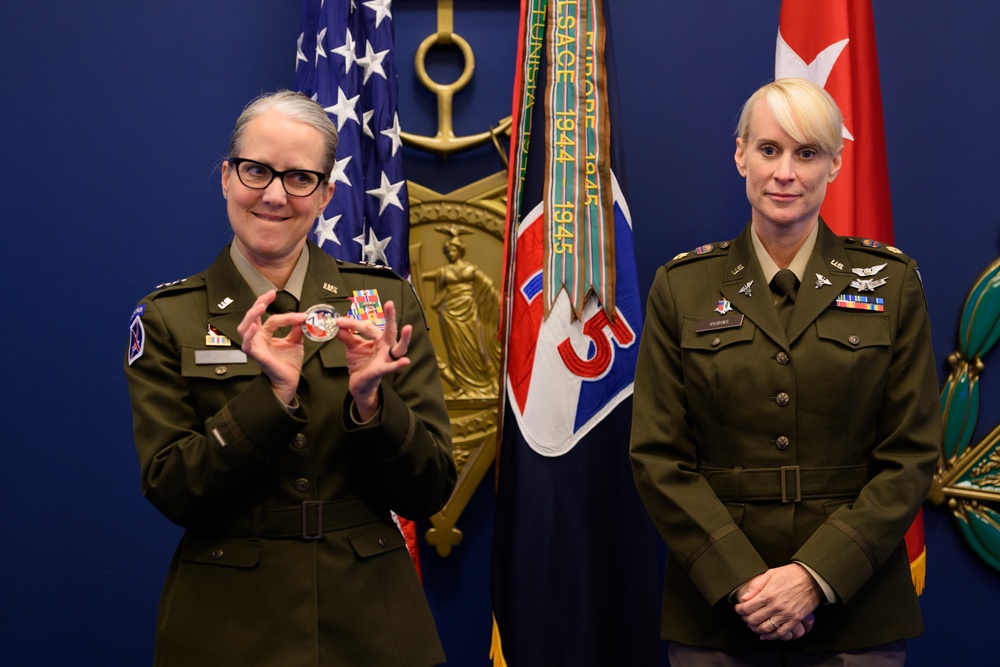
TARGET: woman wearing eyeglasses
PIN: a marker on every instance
(283, 456)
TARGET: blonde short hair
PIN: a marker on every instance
(802, 109)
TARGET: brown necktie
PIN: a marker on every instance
(784, 284)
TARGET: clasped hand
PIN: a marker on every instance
(779, 603)
(371, 352)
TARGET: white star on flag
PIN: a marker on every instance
(339, 175)
(344, 108)
(366, 123)
(325, 229)
(372, 62)
(394, 134)
(374, 249)
(320, 51)
(347, 51)
(299, 55)
(387, 193)
(382, 9)
(787, 63)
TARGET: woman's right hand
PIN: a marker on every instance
(279, 358)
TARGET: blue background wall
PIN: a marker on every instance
(113, 119)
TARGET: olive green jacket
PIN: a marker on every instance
(290, 555)
(753, 447)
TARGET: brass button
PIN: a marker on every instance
(782, 399)
(853, 339)
(216, 553)
(782, 358)
(782, 442)
(300, 441)
(716, 341)
(221, 370)
(302, 484)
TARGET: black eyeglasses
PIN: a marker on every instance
(257, 175)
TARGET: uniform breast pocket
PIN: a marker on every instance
(862, 334)
(216, 376)
(854, 352)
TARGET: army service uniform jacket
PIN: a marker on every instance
(290, 556)
(753, 448)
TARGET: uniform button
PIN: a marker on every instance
(302, 484)
(381, 542)
(782, 358)
(782, 399)
(221, 370)
(716, 341)
(300, 441)
(854, 340)
(782, 442)
(216, 553)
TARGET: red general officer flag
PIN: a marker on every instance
(832, 44)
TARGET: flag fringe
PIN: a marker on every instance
(918, 571)
(496, 649)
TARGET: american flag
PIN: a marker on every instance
(345, 61)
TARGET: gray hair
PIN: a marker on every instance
(297, 107)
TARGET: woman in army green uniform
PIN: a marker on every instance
(786, 432)
(282, 456)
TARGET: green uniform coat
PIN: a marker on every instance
(847, 400)
(290, 556)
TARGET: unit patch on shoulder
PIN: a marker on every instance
(136, 334)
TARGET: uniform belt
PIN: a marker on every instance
(307, 521)
(789, 484)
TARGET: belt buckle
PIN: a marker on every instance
(784, 484)
(306, 504)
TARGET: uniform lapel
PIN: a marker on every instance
(325, 284)
(828, 263)
(755, 301)
(229, 296)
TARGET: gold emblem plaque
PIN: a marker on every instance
(456, 255)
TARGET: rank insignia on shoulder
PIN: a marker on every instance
(366, 306)
(894, 249)
(171, 283)
(215, 338)
(680, 255)
(858, 302)
(702, 249)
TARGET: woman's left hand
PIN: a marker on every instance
(371, 354)
(779, 603)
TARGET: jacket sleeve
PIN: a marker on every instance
(193, 464)
(858, 538)
(407, 450)
(699, 531)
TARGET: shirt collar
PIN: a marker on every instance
(798, 266)
(259, 284)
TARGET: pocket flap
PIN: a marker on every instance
(218, 551)
(377, 541)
